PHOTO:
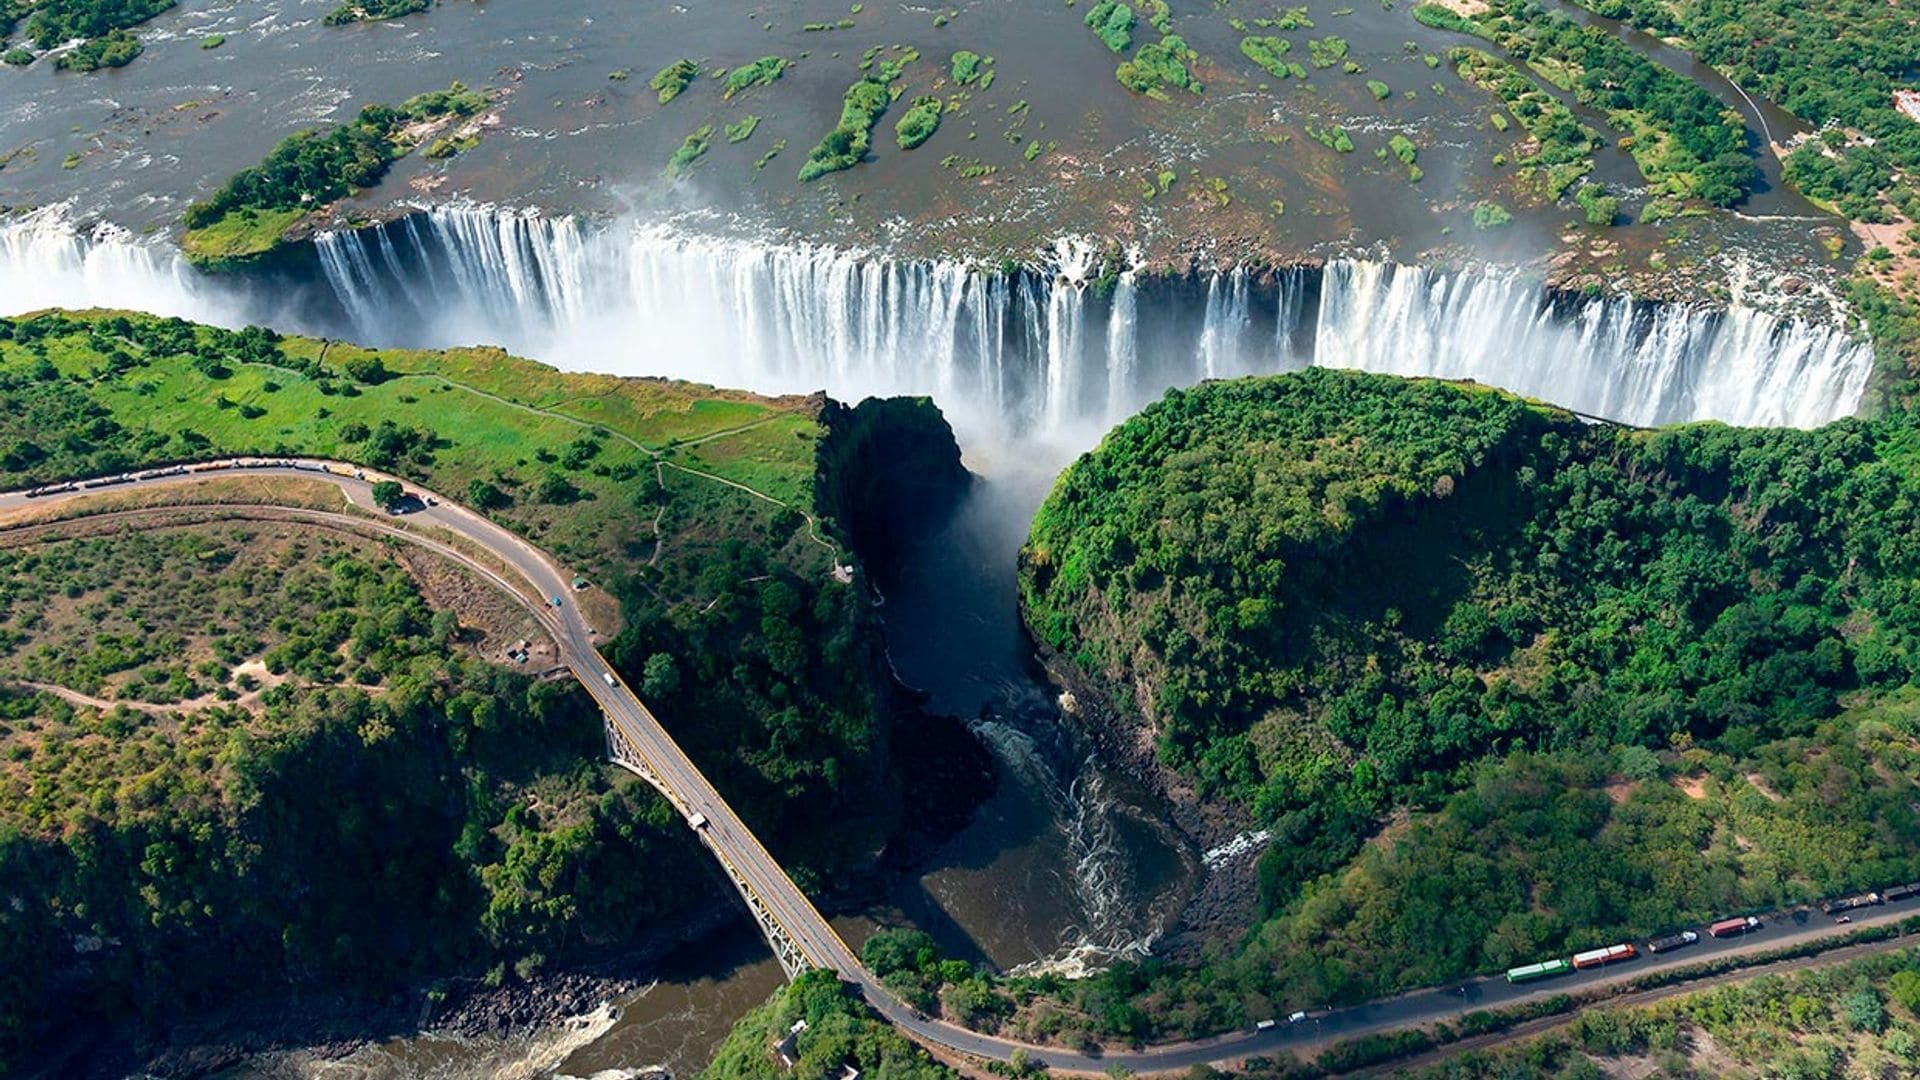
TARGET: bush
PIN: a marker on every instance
(759, 73)
(846, 145)
(1162, 63)
(114, 49)
(1113, 23)
(919, 123)
(1268, 52)
(669, 81)
(690, 150)
(373, 11)
(1490, 215)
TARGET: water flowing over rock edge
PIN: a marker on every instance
(1060, 347)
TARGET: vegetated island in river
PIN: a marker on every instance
(1498, 683)
(278, 201)
(257, 770)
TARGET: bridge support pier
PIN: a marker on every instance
(622, 752)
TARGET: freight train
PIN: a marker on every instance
(1735, 926)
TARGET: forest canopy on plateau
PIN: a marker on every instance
(465, 796)
(1586, 659)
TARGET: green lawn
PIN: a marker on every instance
(539, 425)
(238, 236)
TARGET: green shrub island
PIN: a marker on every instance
(374, 10)
(249, 214)
(669, 81)
(101, 26)
(918, 123)
(847, 144)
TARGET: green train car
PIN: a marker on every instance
(1530, 972)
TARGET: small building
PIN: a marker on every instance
(788, 1049)
(1908, 102)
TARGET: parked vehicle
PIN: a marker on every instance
(1902, 892)
(1745, 924)
(1297, 1017)
(1264, 1025)
(1594, 958)
(1672, 941)
(1852, 903)
(1541, 970)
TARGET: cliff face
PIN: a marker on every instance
(888, 467)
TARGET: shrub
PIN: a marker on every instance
(919, 123)
(669, 81)
(1113, 22)
(759, 73)
(1490, 215)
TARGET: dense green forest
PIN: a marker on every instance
(156, 864)
(306, 170)
(1332, 597)
(1684, 141)
(764, 666)
(103, 24)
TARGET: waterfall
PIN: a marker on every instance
(1122, 341)
(1226, 324)
(46, 261)
(1060, 348)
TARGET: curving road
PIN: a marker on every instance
(544, 589)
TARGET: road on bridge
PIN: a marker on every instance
(761, 878)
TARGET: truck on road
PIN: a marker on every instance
(1850, 903)
(1541, 970)
(1745, 924)
(1903, 892)
(1594, 958)
(1672, 941)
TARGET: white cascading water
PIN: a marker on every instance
(45, 261)
(1053, 351)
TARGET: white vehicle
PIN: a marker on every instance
(1264, 1025)
(697, 820)
(608, 676)
(1297, 1017)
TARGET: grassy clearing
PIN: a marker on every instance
(239, 236)
(571, 456)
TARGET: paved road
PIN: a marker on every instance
(545, 590)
